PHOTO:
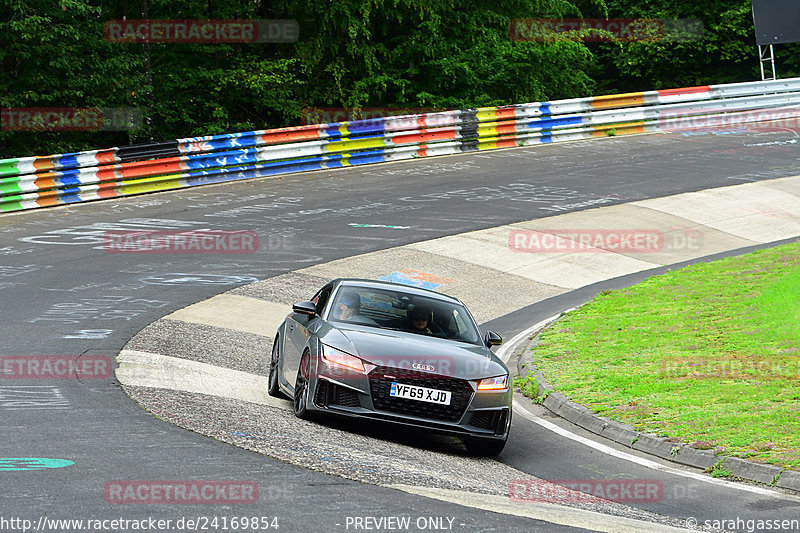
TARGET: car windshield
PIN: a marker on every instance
(391, 309)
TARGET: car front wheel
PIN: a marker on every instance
(301, 388)
(274, 388)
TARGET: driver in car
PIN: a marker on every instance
(349, 306)
(350, 310)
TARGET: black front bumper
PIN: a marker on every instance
(469, 413)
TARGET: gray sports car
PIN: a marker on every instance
(386, 351)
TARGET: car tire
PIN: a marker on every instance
(485, 447)
(301, 389)
(274, 388)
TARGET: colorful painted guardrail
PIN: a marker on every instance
(32, 182)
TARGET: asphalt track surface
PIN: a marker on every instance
(63, 294)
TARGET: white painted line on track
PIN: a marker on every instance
(546, 512)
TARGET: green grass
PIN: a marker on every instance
(530, 387)
(709, 354)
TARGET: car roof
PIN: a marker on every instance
(408, 289)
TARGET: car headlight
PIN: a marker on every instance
(338, 357)
(497, 383)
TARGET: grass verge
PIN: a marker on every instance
(709, 354)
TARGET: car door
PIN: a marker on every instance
(299, 328)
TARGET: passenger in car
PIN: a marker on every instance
(420, 320)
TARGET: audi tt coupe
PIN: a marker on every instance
(391, 352)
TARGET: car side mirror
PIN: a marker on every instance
(492, 339)
(305, 308)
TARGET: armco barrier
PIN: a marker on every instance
(32, 182)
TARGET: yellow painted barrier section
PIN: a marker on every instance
(159, 183)
(487, 113)
(359, 144)
(493, 143)
(618, 100)
(508, 128)
(487, 131)
(611, 130)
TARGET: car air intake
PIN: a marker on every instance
(332, 394)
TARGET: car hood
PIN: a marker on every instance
(399, 349)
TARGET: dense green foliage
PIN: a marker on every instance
(727, 52)
(431, 54)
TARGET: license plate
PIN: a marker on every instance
(422, 394)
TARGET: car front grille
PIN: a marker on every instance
(380, 384)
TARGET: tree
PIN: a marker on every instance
(432, 53)
(726, 52)
(52, 55)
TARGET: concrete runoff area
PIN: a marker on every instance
(233, 311)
